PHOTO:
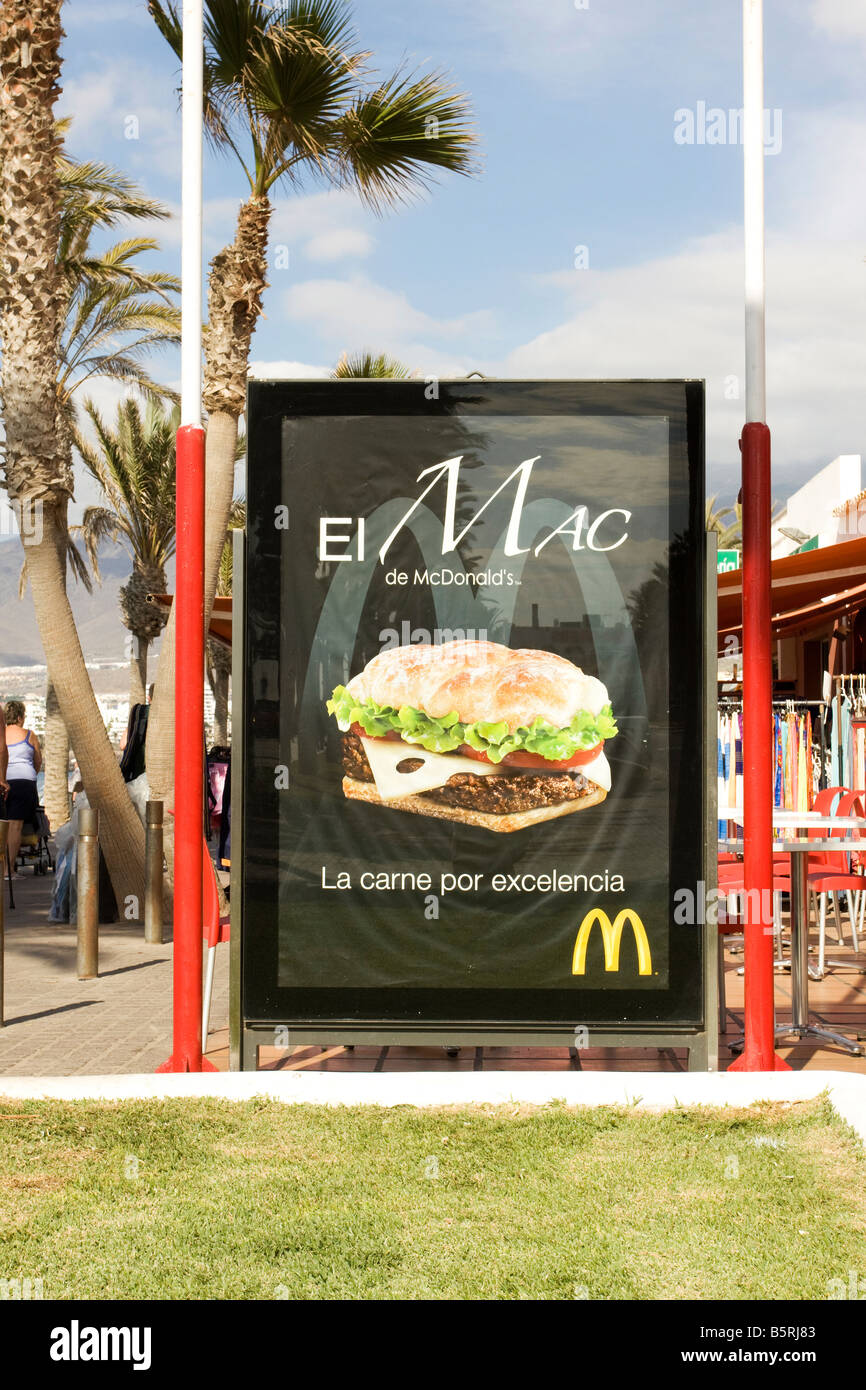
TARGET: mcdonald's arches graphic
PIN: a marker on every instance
(611, 935)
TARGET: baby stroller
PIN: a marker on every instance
(34, 843)
(32, 850)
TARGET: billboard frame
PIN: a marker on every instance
(249, 1034)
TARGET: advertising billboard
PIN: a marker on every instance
(473, 773)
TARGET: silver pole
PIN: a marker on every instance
(88, 893)
(191, 212)
(153, 908)
(753, 211)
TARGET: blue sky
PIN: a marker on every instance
(576, 112)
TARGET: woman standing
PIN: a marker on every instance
(25, 760)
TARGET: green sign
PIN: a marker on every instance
(727, 560)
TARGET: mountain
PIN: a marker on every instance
(97, 615)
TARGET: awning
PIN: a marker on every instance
(809, 589)
(220, 621)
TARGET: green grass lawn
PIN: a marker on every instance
(213, 1199)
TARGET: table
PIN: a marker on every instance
(799, 849)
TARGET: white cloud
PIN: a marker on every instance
(296, 371)
(358, 312)
(121, 100)
(816, 187)
(841, 19)
(681, 315)
(567, 42)
(327, 226)
(102, 12)
(320, 226)
(339, 244)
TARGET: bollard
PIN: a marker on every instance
(153, 874)
(88, 893)
(4, 831)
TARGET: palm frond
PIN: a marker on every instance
(101, 195)
(78, 565)
(97, 526)
(394, 137)
(134, 463)
(367, 364)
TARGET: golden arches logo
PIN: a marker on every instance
(611, 935)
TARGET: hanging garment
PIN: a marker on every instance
(846, 742)
(721, 764)
(802, 780)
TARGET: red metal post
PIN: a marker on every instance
(759, 1051)
(189, 754)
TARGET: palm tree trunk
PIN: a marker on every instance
(235, 288)
(56, 744)
(121, 833)
(55, 747)
(220, 706)
(38, 475)
(138, 671)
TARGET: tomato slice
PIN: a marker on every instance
(535, 760)
(391, 736)
(519, 759)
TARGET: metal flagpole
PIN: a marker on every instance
(759, 1050)
(189, 596)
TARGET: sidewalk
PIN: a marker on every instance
(57, 1025)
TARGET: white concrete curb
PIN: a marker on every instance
(847, 1091)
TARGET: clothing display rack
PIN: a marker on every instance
(801, 752)
(848, 731)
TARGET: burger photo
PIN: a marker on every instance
(475, 732)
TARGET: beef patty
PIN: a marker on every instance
(515, 791)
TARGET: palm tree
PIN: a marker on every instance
(114, 314)
(728, 522)
(134, 465)
(368, 365)
(719, 520)
(286, 94)
(37, 465)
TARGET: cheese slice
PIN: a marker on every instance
(436, 769)
(597, 771)
(383, 755)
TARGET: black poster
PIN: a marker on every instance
(474, 702)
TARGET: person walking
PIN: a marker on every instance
(24, 760)
(4, 755)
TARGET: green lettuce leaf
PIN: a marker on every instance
(445, 734)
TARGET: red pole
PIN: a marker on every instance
(189, 754)
(759, 1051)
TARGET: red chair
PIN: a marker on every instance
(731, 878)
(826, 804)
(823, 805)
(832, 873)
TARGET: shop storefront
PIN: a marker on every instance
(819, 648)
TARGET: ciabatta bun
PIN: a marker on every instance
(481, 681)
